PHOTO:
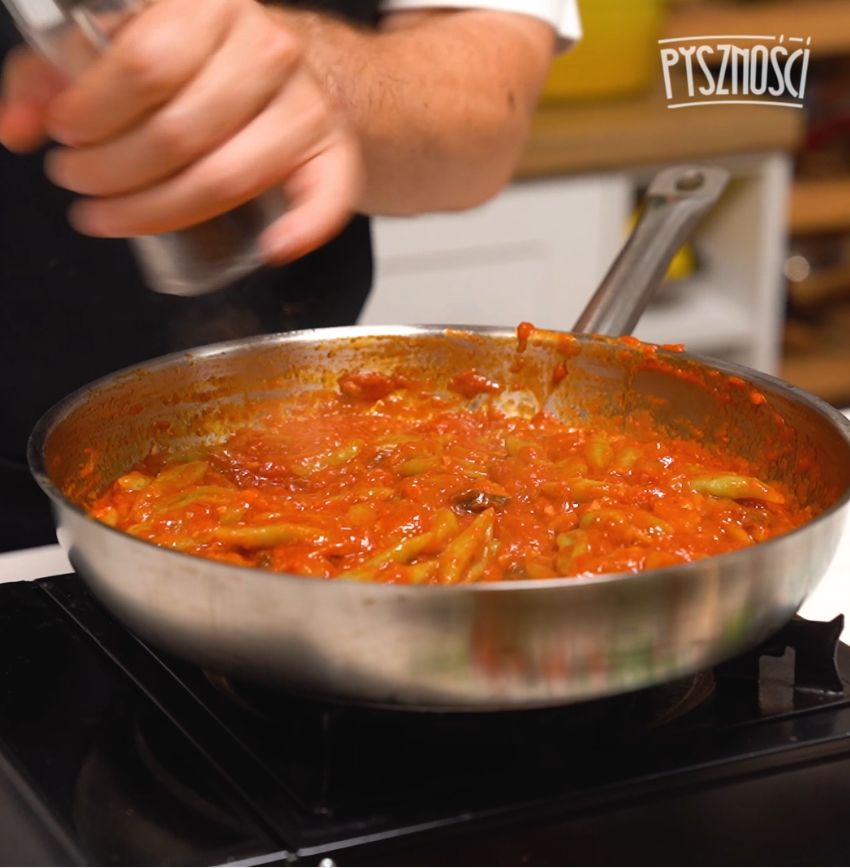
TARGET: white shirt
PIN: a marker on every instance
(561, 14)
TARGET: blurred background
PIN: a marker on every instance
(766, 279)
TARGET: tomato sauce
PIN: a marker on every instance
(387, 481)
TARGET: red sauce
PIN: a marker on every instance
(523, 333)
(389, 482)
(568, 346)
(369, 385)
(471, 383)
(631, 341)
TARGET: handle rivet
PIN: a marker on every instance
(692, 180)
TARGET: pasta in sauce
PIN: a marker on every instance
(387, 481)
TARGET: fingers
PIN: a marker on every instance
(322, 195)
(167, 131)
(152, 58)
(295, 128)
(29, 83)
(201, 117)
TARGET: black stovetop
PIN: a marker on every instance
(111, 753)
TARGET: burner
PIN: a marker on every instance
(650, 707)
(794, 670)
(131, 797)
(341, 745)
(678, 699)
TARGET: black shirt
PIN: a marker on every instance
(74, 308)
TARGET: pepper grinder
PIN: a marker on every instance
(193, 261)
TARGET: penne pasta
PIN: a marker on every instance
(736, 487)
(390, 482)
(266, 536)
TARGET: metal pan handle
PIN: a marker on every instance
(676, 201)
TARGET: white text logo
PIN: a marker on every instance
(712, 70)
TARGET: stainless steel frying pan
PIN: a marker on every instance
(483, 646)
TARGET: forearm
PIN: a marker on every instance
(440, 102)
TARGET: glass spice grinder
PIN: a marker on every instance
(193, 261)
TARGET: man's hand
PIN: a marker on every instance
(194, 109)
(190, 112)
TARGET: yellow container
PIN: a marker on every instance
(617, 56)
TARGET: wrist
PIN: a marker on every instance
(333, 49)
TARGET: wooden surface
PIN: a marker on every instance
(818, 357)
(825, 373)
(826, 21)
(821, 287)
(575, 138)
(820, 205)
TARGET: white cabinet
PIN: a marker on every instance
(530, 254)
(538, 250)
